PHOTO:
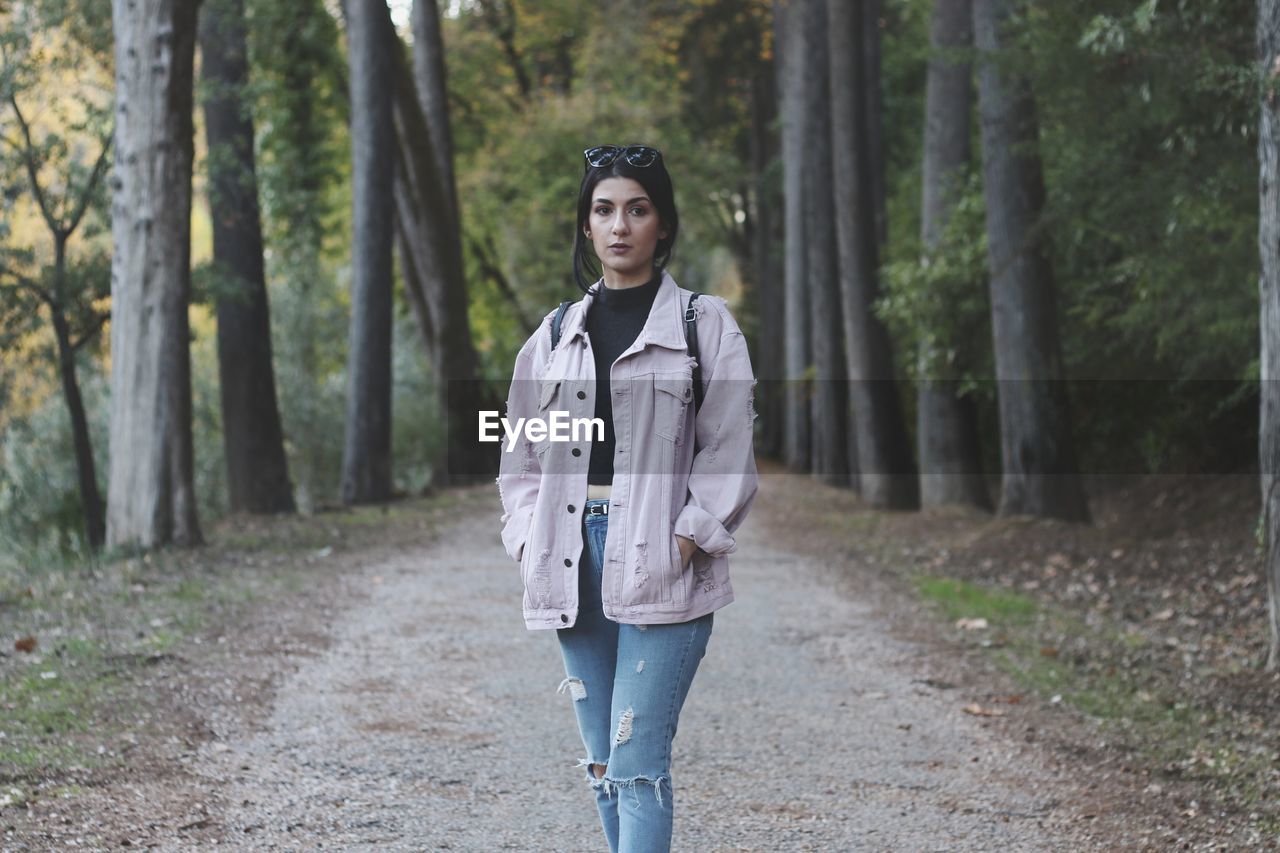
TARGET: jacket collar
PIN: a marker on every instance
(663, 327)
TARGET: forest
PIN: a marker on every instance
(1008, 257)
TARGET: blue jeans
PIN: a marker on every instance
(628, 683)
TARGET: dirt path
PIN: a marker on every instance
(391, 699)
(431, 721)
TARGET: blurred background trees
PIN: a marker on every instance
(835, 184)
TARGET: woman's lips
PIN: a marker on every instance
(619, 249)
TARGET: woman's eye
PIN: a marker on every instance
(602, 210)
(638, 211)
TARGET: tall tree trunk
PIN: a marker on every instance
(422, 116)
(87, 476)
(1268, 45)
(886, 468)
(946, 421)
(429, 74)
(257, 471)
(769, 289)
(366, 461)
(877, 178)
(789, 35)
(833, 449)
(1039, 464)
(151, 494)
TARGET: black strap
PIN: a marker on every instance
(555, 324)
(691, 340)
(690, 336)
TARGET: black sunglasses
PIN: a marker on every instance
(637, 155)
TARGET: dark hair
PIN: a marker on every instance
(657, 184)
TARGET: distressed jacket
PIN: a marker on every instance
(664, 483)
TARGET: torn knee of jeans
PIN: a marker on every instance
(576, 688)
(630, 783)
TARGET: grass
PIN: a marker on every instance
(97, 622)
(1131, 706)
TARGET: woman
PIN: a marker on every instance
(623, 541)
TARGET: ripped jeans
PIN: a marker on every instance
(628, 683)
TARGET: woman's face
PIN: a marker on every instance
(624, 229)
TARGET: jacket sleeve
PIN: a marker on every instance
(519, 471)
(723, 480)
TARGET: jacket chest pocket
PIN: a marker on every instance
(671, 397)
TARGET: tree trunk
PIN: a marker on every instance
(770, 291)
(257, 471)
(833, 450)
(90, 497)
(788, 17)
(886, 470)
(426, 204)
(946, 422)
(429, 74)
(151, 496)
(1039, 464)
(366, 461)
(1268, 45)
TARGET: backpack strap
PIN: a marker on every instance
(555, 323)
(691, 339)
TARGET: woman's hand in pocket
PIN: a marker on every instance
(687, 547)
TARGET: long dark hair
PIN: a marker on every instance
(656, 182)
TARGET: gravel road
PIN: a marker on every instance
(432, 721)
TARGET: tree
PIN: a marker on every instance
(65, 187)
(946, 418)
(1039, 465)
(366, 461)
(257, 471)
(834, 444)
(1268, 45)
(885, 468)
(151, 497)
(789, 29)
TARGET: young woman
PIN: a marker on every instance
(623, 537)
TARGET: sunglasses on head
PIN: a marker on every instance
(637, 155)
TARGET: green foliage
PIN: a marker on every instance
(40, 518)
(936, 303)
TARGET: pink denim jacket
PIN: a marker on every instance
(663, 483)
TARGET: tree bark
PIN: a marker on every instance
(151, 494)
(257, 470)
(87, 476)
(1039, 464)
(366, 462)
(1268, 46)
(426, 207)
(770, 289)
(834, 446)
(886, 469)
(790, 39)
(946, 421)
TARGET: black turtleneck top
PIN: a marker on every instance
(613, 323)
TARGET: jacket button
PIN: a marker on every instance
(582, 395)
(564, 617)
(568, 562)
(577, 451)
(570, 507)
